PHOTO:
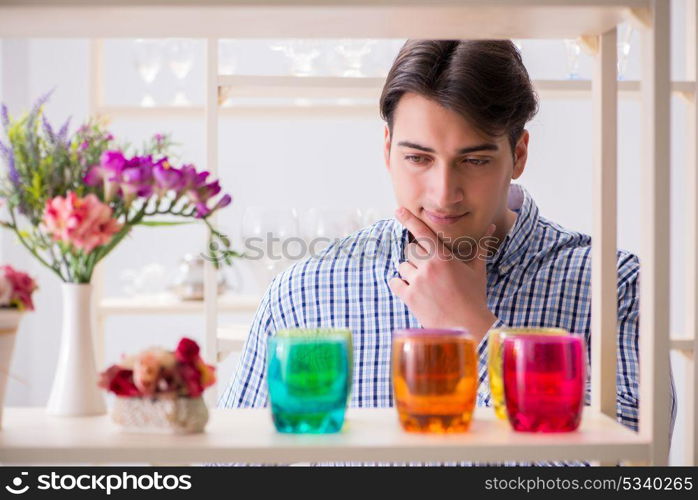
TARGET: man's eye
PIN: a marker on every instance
(415, 159)
(476, 162)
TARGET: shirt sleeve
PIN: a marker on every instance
(627, 380)
(248, 386)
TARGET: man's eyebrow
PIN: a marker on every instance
(413, 145)
(479, 147)
(487, 146)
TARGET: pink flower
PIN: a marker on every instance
(148, 368)
(146, 371)
(85, 223)
(22, 286)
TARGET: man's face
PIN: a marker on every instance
(447, 173)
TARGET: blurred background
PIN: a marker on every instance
(297, 166)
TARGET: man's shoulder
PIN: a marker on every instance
(569, 247)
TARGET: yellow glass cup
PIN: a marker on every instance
(494, 361)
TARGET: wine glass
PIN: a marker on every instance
(147, 57)
(625, 33)
(573, 49)
(371, 215)
(353, 53)
(180, 54)
(271, 239)
(320, 227)
(302, 54)
(228, 56)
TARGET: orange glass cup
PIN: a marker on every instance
(434, 379)
(494, 361)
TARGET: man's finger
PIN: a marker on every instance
(407, 271)
(422, 233)
(415, 254)
(398, 286)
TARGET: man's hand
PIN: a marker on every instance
(438, 288)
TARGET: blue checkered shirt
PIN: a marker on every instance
(540, 276)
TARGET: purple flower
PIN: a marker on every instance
(167, 178)
(5, 117)
(39, 103)
(223, 202)
(63, 132)
(136, 180)
(48, 130)
(107, 173)
(113, 161)
(14, 175)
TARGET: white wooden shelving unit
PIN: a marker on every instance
(28, 432)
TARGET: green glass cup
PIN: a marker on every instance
(308, 380)
(325, 332)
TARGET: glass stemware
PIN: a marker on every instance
(573, 49)
(269, 235)
(302, 54)
(320, 227)
(180, 58)
(147, 57)
(625, 34)
(228, 56)
(353, 53)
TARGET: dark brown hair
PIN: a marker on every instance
(485, 81)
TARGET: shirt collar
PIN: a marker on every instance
(518, 239)
(515, 243)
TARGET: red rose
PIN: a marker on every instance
(119, 381)
(187, 351)
(192, 380)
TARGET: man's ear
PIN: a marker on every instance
(520, 155)
(386, 147)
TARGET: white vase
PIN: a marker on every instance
(75, 391)
(9, 322)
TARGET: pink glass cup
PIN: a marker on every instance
(544, 381)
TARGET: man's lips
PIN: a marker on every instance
(443, 219)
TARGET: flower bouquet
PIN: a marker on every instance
(16, 289)
(71, 199)
(159, 390)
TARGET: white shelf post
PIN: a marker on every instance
(96, 101)
(654, 401)
(691, 304)
(604, 281)
(210, 344)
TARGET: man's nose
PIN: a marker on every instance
(446, 187)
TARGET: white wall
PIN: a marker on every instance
(323, 161)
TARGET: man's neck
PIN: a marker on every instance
(504, 226)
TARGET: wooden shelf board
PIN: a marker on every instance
(31, 436)
(686, 345)
(169, 304)
(314, 18)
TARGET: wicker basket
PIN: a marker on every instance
(163, 415)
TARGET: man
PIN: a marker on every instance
(467, 247)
